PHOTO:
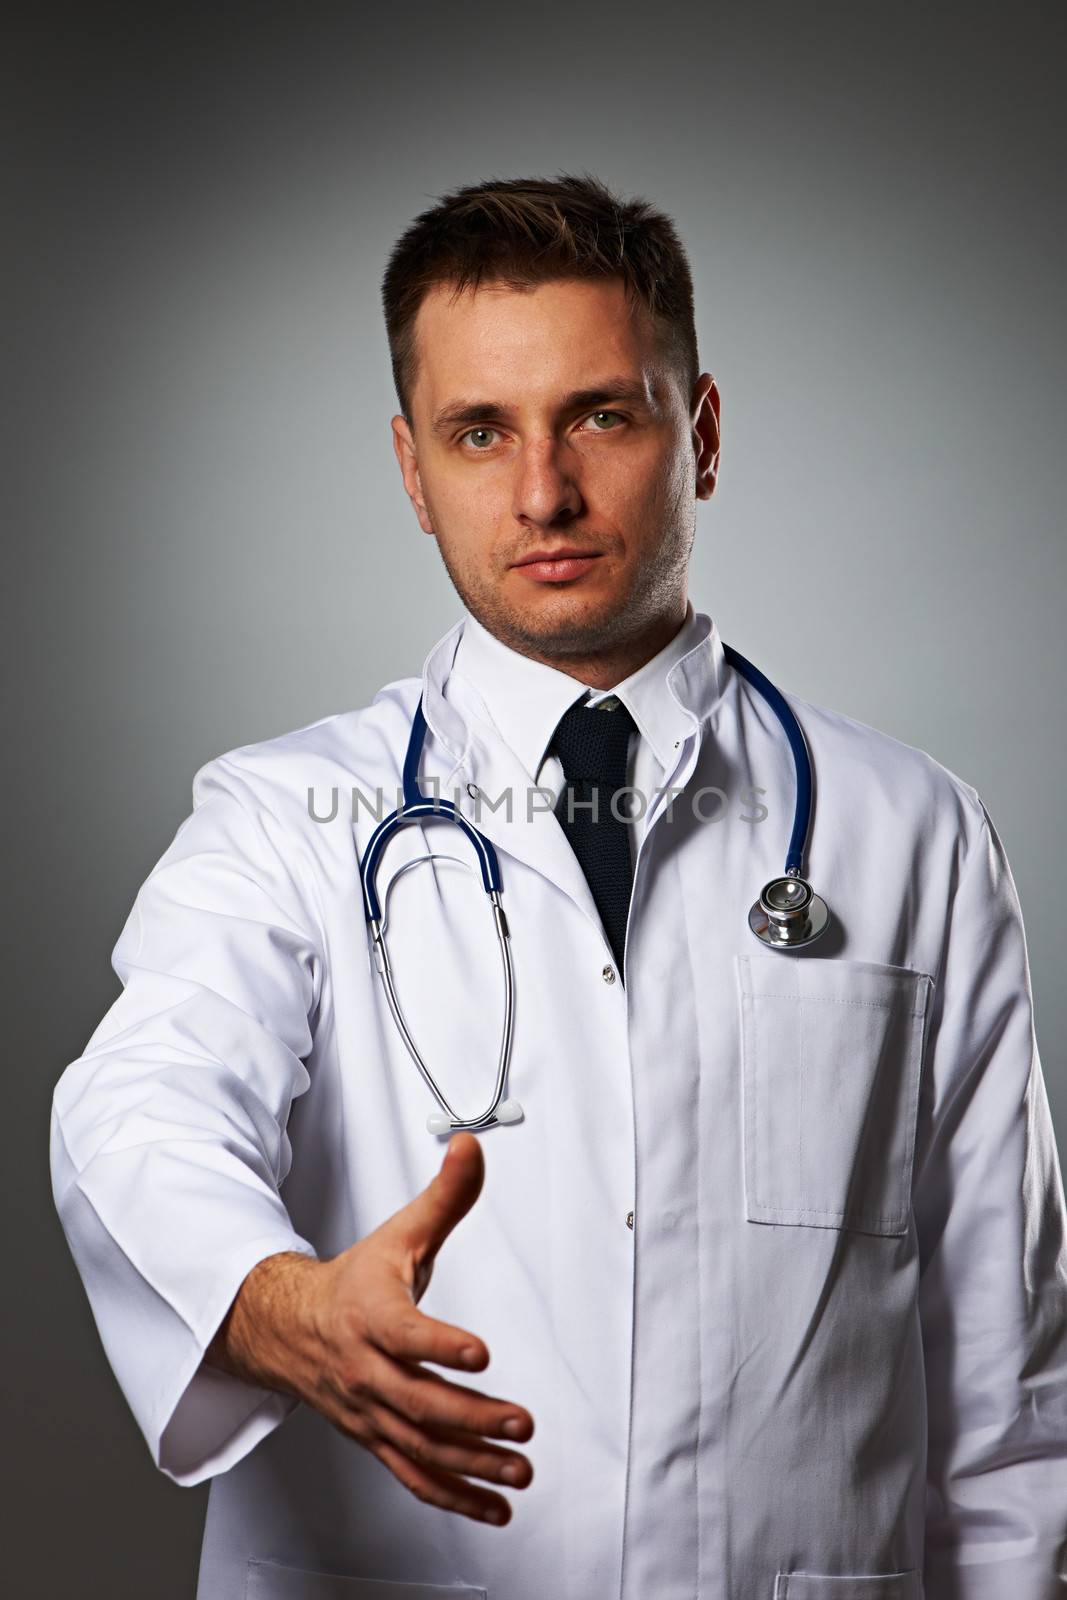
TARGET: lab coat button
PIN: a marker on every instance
(608, 974)
(472, 790)
(629, 1219)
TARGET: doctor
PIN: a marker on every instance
(766, 1274)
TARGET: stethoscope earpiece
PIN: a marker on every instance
(506, 1111)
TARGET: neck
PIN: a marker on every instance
(604, 668)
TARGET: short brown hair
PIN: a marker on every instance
(525, 231)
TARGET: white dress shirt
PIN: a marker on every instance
(524, 699)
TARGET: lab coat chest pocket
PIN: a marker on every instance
(832, 1056)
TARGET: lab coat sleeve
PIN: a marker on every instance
(168, 1135)
(989, 1210)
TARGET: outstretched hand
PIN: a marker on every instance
(346, 1336)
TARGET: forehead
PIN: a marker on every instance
(556, 335)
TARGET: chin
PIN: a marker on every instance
(564, 618)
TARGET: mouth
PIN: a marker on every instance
(556, 566)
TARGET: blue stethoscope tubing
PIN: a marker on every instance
(801, 760)
(787, 916)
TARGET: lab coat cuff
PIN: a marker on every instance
(217, 1418)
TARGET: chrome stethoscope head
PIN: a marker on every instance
(788, 913)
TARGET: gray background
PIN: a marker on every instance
(206, 538)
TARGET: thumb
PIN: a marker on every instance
(428, 1220)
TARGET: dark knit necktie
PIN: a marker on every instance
(591, 742)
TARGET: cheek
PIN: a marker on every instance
(449, 501)
(673, 481)
(639, 491)
(466, 519)
(473, 498)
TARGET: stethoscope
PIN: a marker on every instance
(787, 916)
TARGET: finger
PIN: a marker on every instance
(432, 1402)
(364, 1415)
(442, 1489)
(425, 1223)
(447, 1450)
(401, 1330)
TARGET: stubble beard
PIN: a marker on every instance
(571, 629)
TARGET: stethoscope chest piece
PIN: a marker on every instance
(788, 913)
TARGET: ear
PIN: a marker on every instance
(404, 448)
(704, 415)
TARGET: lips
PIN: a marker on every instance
(556, 566)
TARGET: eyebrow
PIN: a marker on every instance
(626, 390)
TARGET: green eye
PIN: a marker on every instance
(613, 414)
(472, 431)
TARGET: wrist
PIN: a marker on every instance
(271, 1320)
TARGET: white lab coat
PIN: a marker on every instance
(828, 1360)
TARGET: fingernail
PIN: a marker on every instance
(494, 1514)
(513, 1428)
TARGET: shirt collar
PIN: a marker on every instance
(668, 697)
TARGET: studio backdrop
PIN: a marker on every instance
(207, 540)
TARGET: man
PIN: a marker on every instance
(774, 1256)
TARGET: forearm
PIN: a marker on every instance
(266, 1336)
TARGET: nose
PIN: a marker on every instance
(546, 490)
